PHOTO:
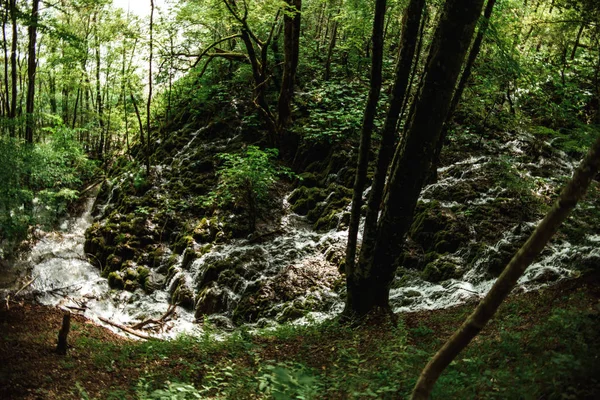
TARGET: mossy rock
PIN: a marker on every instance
(308, 179)
(211, 300)
(115, 281)
(291, 313)
(206, 230)
(440, 270)
(182, 243)
(304, 199)
(131, 285)
(114, 262)
(438, 229)
(143, 277)
(183, 296)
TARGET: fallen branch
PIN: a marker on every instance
(127, 329)
(160, 322)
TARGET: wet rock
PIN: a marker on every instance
(261, 298)
(211, 300)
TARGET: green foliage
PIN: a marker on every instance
(287, 381)
(245, 179)
(172, 391)
(42, 180)
(336, 111)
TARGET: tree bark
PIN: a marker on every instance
(486, 309)
(13, 66)
(409, 37)
(6, 60)
(365, 137)
(291, 48)
(330, 50)
(462, 84)
(368, 288)
(149, 102)
(31, 71)
(99, 105)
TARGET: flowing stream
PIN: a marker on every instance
(293, 267)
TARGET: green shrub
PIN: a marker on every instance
(245, 180)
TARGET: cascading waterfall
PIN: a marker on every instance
(295, 257)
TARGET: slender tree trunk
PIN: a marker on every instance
(52, 89)
(6, 60)
(75, 108)
(410, 31)
(365, 137)
(577, 39)
(368, 286)
(486, 309)
(462, 84)
(13, 65)
(330, 50)
(99, 105)
(149, 102)
(31, 71)
(139, 119)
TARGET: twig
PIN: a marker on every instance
(25, 286)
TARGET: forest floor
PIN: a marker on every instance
(542, 344)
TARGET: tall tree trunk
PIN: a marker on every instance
(368, 286)
(330, 50)
(462, 84)
(410, 31)
(6, 59)
(365, 137)
(149, 102)
(13, 66)
(486, 309)
(52, 89)
(99, 105)
(291, 48)
(31, 70)
(75, 107)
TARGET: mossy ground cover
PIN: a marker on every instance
(542, 344)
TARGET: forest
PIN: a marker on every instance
(300, 199)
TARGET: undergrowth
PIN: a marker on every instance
(539, 346)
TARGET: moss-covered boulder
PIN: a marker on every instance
(438, 229)
(440, 270)
(211, 300)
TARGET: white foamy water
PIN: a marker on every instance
(64, 277)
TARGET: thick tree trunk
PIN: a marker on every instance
(486, 309)
(369, 285)
(365, 137)
(291, 48)
(410, 31)
(31, 70)
(462, 84)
